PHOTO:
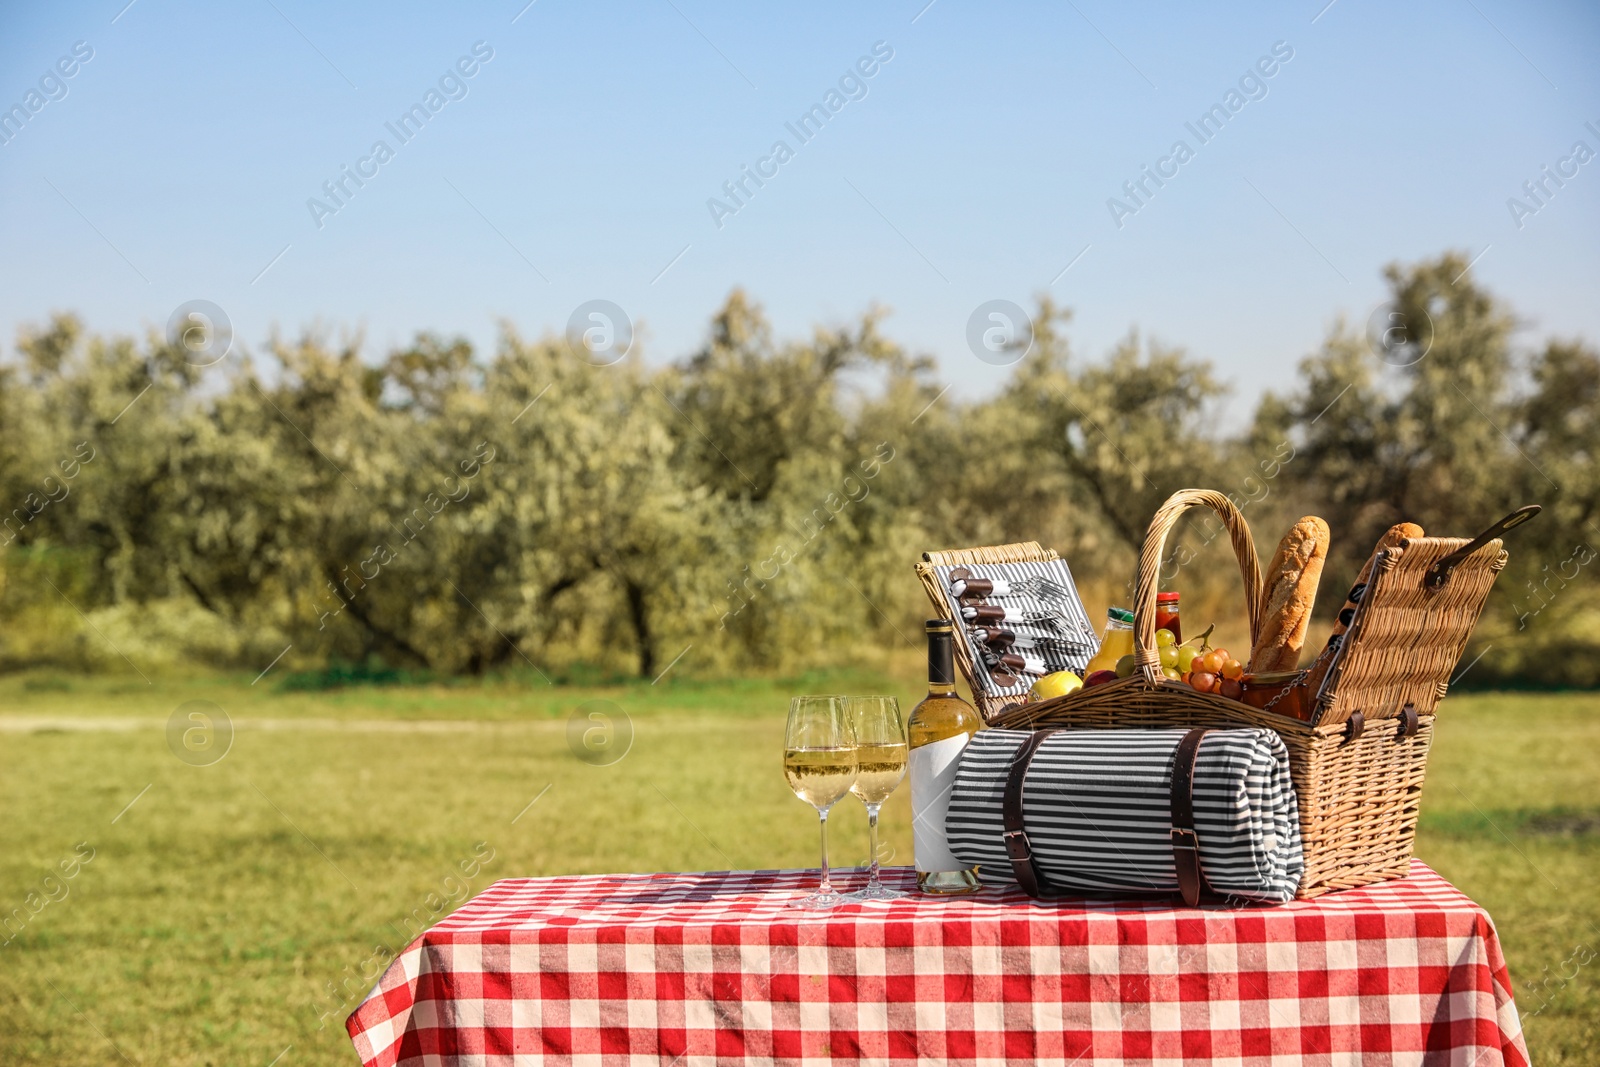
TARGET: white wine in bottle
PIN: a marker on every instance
(937, 731)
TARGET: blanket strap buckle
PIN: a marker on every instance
(1018, 848)
(1185, 842)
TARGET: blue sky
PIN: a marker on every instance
(977, 166)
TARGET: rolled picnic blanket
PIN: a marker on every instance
(1096, 805)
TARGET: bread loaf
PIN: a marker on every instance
(1288, 594)
(1396, 535)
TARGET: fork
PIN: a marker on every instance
(993, 613)
(1038, 587)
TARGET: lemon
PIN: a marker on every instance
(1058, 684)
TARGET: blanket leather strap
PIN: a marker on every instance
(1185, 845)
(1018, 848)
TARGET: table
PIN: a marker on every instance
(670, 969)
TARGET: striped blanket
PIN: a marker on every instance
(1097, 809)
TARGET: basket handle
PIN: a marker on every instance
(1146, 657)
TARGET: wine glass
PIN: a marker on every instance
(819, 759)
(880, 767)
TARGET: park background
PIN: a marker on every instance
(403, 540)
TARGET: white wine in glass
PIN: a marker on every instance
(820, 776)
(880, 767)
(819, 760)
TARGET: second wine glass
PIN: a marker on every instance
(880, 767)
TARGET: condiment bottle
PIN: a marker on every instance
(1117, 642)
(1167, 615)
(938, 730)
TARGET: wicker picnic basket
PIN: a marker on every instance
(1358, 765)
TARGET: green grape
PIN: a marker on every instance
(1169, 656)
(1186, 657)
(1166, 638)
(1171, 672)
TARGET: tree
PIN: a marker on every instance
(1424, 441)
(760, 501)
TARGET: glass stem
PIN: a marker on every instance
(826, 886)
(872, 844)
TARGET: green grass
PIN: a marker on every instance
(242, 908)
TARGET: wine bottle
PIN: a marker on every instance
(937, 731)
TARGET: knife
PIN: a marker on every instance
(998, 638)
(987, 613)
(1023, 664)
(965, 587)
(1439, 573)
(1032, 665)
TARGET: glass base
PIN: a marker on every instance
(820, 901)
(949, 883)
(876, 892)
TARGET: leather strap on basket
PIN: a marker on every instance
(1018, 848)
(1185, 843)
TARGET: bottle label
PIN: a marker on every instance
(933, 777)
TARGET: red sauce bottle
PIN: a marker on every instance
(1167, 614)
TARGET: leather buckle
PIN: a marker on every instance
(1410, 722)
(1354, 725)
(1017, 845)
(1185, 839)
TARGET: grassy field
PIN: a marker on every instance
(234, 911)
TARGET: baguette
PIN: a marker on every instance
(1288, 595)
(1396, 535)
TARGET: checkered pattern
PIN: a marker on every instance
(691, 969)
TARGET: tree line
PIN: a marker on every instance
(759, 502)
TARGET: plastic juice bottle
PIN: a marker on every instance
(1117, 642)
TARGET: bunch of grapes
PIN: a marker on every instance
(1195, 663)
(1209, 670)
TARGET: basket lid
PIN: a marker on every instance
(1407, 637)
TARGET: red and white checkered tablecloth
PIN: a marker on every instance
(691, 969)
